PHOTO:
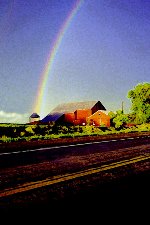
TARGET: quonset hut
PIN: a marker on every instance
(34, 118)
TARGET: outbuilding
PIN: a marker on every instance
(34, 118)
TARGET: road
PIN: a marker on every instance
(66, 177)
(26, 157)
(39, 169)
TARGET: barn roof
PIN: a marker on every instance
(34, 115)
(51, 117)
(73, 106)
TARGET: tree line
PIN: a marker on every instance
(140, 107)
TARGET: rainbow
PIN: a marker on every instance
(51, 56)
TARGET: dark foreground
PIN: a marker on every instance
(124, 195)
(117, 193)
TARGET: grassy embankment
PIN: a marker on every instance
(23, 132)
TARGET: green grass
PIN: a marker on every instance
(15, 132)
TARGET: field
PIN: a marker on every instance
(10, 133)
(13, 136)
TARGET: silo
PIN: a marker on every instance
(34, 118)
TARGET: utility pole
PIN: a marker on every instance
(122, 107)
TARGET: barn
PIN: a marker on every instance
(79, 113)
(99, 118)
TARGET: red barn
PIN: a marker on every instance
(99, 118)
(67, 118)
(79, 113)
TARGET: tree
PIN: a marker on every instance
(140, 99)
(120, 119)
(112, 116)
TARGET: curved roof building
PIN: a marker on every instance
(34, 117)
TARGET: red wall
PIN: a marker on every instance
(82, 114)
(69, 118)
(99, 118)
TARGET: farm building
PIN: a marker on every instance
(34, 118)
(79, 113)
(99, 118)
